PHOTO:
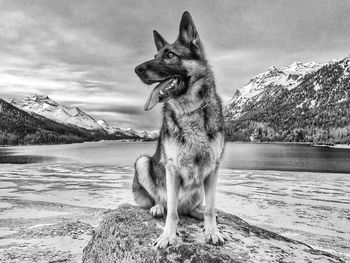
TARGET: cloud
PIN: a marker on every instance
(121, 109)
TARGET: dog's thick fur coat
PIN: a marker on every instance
(183, 171)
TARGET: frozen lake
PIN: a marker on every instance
(299, 191)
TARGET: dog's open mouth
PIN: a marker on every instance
(163, 91)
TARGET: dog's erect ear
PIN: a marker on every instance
(159, 40)
(188, 32)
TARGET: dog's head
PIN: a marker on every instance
(175, 65)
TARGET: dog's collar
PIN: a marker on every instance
(203, 105)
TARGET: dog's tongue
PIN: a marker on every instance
(153, 98)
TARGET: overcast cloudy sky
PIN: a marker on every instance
(84, 52)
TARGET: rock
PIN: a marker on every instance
(127, 233)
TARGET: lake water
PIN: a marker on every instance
(299, 191)
(285, 157)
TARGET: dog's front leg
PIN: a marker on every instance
(173, 187)
(212, 234)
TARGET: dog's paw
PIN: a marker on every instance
(165, 240)
(215, 238)
(157, 210)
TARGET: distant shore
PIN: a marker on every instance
(338, 146)
(341, 146)
(118, 140)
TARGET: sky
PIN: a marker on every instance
(83, 53)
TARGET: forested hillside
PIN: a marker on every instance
(298, 103)
(18, 127)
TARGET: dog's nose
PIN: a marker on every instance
(140, 69)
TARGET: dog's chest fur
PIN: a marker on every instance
(193, 143)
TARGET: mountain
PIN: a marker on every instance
(74, 116)
(20, 127)
(104, 125)
(302, 102)
(146, 135)
(50, 109)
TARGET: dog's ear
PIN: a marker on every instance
(159, 40)
(188, 32)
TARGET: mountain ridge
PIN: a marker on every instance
(18, 127)
(74, 116)
(302, 102)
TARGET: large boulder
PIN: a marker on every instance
(127, 233)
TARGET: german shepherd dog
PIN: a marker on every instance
(184, 168)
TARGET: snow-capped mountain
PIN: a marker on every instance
(50, 109)
(151, 135)
(44, 106)
(271, 81)
(300, 102)
(141, 134)
(104, 125)
(18, 127)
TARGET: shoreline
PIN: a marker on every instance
(118, 140)
(338, 146)
(341, 146)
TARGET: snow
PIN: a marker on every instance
(46, 106)
(300, 105)
(50, 109)
(312, 103)
(309, 207)
(128, 131)
(102, 123)
(288, 77)
(341, 146)
(26, 213)
(12, 101)
(342, 100)
(317, 87)
(71, 115)
(302, 68)
(106, 127)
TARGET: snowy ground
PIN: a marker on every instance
(341, 146)
(48, 211)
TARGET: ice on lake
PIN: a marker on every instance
(312, 207)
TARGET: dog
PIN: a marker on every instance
(184, 169)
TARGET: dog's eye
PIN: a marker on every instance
(170, 54)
